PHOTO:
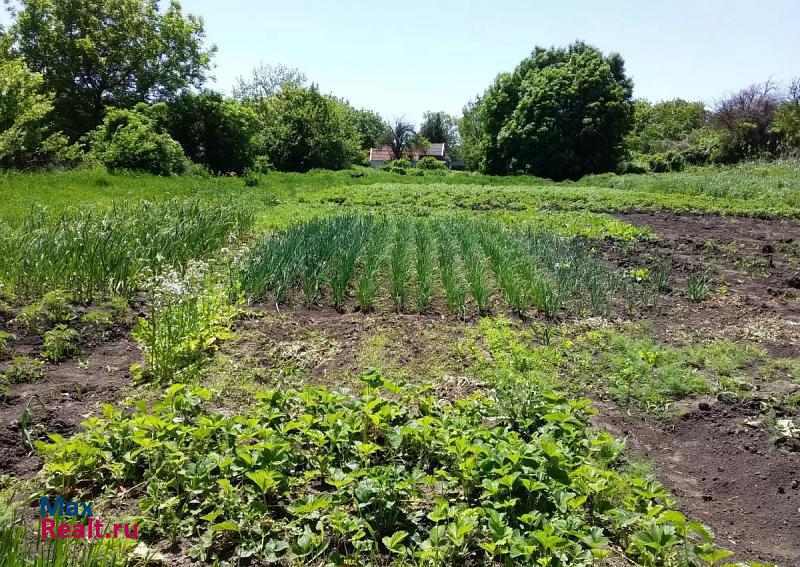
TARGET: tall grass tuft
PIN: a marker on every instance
(454, 288)
(374, 260)
(400, 264)
(425, 265)
(475, 267)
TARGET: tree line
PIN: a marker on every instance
(121, 83)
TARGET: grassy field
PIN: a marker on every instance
(357, 367)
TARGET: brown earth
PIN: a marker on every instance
(755, 261)
(70, 392)
(726, 474)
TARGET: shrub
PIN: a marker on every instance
(23, 370)
(132, 140)
(666, 162)
(399, 166)
(430, 163)
(60, 344)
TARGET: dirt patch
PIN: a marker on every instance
(71, 392)
(753, 264)
(728, 475)
(324, 346)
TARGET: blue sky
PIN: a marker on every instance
(402, 58)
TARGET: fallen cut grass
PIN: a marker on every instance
(417, 260)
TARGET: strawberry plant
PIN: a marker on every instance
(390, 476)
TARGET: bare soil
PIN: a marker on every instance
(728, 475)
(755, 268)
(70, 392)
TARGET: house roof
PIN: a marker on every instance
(384, 153)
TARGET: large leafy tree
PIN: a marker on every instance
(304, 129)
(266, 81)
(371, 127)
(216, 132)
(439, 127)
(98, 53)
(562, 113)
(664, 125)
(27, 138)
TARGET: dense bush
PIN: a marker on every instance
(132, 140)
(744, 121)
(786, 123)
(218, 133)
(431, 163)
(27, 138)
(664, 126)
(304, 130)
(562, 113)
(399, 166)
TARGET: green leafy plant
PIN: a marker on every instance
(188, 316)
(60, 343)
(23, 370)
(698, 286)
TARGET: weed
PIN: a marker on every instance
(188, 316)
(5, 336)
(698, 286)
(23, 370)
(60, 344)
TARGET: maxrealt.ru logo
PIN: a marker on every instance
(80, 521)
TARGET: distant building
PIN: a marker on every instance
(379, 156)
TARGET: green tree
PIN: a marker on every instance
(266, 81)
(400, 137)
(304, 130)
(665, 125)
(471, 133)
(27, 138)
(786, 122)
(131, 139)
(97, 53)
(440, 127)
(221, 134)
(372, 129)
(562, 113)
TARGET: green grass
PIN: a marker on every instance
(633, 369)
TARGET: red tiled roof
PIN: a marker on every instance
(381, 154)
(385, 153)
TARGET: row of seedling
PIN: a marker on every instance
(410, 263)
